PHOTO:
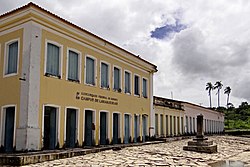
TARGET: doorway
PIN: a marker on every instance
(89, 128)
(9, 129)
(50, 121)
(156, 125)
(161, 124)
(127, 128)
(116, 127)
(167, 132)
(136, 128)
(103, 128)
(144, 127)
(71, 123)
(171, 126)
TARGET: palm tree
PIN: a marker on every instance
(218, 85)
(210, 87)
(227, 91)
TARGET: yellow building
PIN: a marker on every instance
(174, 118)
(62, 86)
(169, 117)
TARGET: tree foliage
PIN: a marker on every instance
(227, 91)
(237, 118)
(218, 85)
(209, 88)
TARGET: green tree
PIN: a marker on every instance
(227, 91)
(209, 88)
(237, 118)
(218, 85)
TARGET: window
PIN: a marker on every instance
(90, 71)
(104, 75)
(73, 66)
(144, 88)
(137, 85)
(11, 60)
(127, 82)
(53, 60)
(117, 79)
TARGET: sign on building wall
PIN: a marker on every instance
(85, 96)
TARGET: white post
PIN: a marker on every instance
(28, 131)
(152, 112)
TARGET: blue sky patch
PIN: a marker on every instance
(166, 30)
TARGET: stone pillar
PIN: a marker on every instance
(200, 132)
(152, 111)
(28, 131)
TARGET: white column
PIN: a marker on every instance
(28, 131)
(152, 112)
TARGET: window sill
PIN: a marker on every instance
(72, 80)
(9, 75)
(105, 88)
(88, 84)
(118, 90)
(52, 76)
(127, 93)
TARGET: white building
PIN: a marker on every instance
(213, 120)
(174, 118)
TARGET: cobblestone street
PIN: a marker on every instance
(165, 154)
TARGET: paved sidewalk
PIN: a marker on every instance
(24, 158)
(164, 154)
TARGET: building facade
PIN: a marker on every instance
(169, 117)
(62, 86)
(175, 118)
(213, 121)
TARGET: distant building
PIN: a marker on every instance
(62, 86)
(174, 118)
(213, 120)
(169, 117)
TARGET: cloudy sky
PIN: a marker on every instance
(192, 42)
